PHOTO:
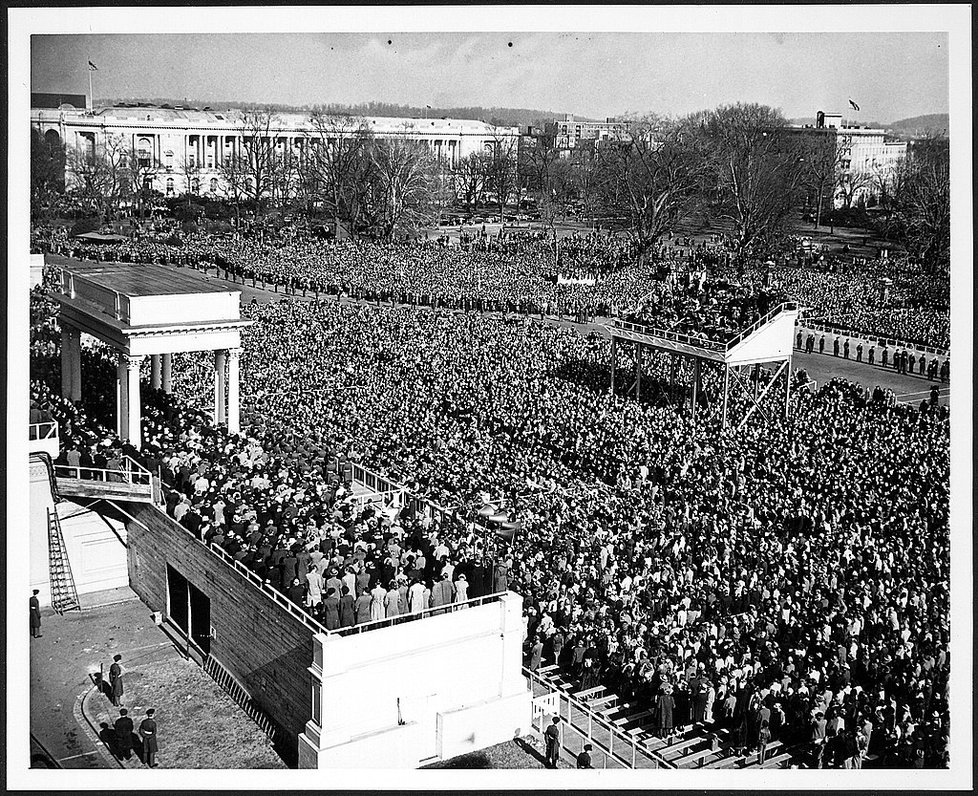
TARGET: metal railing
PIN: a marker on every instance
(623, 749)
(700, 340)
(872, 339)
(697, 341)
(770, 315)
(132, 473)
(38, 431)
(111, 301)
(400, 619)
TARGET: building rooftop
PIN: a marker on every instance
(138, 279)
(231, 119)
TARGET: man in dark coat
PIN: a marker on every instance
(148, 732)
(35, 609)
(552, 737)
(115, 681)
(123, 733)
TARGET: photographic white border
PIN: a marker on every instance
(954, 20)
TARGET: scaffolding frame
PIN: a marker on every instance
(768, 341)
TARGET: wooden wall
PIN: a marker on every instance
(261, 644)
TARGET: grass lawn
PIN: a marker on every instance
(200, 726)
(525, 752)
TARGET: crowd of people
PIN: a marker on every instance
(591, 275)
(795, 574)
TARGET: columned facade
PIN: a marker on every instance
(153, 313)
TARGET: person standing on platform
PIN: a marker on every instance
(116, 689)
(584, 758)
(148, 730)
(35, 609)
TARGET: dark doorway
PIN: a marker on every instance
(178, 604)
(200, 619)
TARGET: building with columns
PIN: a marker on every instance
(866, 155)
(180, 149)
(148, 311)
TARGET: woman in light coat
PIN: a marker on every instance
(377, 602)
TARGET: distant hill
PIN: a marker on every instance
(914, 126)
(495, 115)
(930, 123)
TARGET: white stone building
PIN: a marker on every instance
(182, 148)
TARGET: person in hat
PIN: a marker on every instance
(116, 689)
(35, 611)
(584, 757)
(123, 734)
(461, 588)
(552, 738)
(148, 732)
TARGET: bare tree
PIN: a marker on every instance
(849, 184)
(334, 162)
(253, 169)
(190, 169)
(548, 176)
(140, 170)
(47, 172)
(586, 175)
(99, 172)
(502, 172)
(821, 164)
(403, 179)
(758, 169)
(652, 175)
(923, 201)
(470, 178)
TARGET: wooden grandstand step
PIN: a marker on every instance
(629, 722)
(777, 761)
(584, 696)
(606, 702)
(700, 758)
(673, 751)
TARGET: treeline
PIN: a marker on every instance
(737, 164)
(500, 116)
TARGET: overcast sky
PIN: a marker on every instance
(890, 75)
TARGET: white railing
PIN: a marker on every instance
(391, 621)
(131, 473)
(48, 430)
(872, 339)
(619, 748)
(667, 334)
(764, 319)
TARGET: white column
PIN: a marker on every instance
(220, 360)
(156, 371)
(121, 397)
(234, 408)
(71, 363)
(76, 380)
(133, 405)
(167, 376)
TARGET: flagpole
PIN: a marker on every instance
(91, 94)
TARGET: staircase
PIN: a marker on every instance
(242, 698)
(64, 596)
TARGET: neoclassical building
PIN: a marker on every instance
(183, 147)
(867, 153)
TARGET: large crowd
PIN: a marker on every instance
(795, 574)
(692, 285)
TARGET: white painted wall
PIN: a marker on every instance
(454, 680)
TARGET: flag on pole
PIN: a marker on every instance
(92, 67)
(855, 107)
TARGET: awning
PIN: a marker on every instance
(97, 237)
